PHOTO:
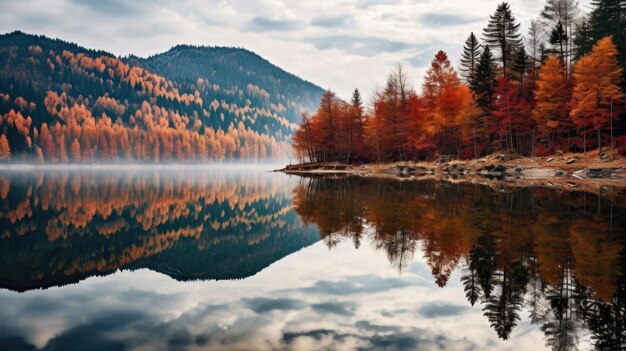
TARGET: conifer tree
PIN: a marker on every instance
(484, 84)
(470, 58)
(502, 34)
(583, 39)
(552, 100)
(597, 91)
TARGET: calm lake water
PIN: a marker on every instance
(237, 258)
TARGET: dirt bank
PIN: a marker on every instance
(572, 171)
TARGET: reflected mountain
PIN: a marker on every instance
(60, 227)
(556, 256)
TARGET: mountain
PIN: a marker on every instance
(236, 75)
(59, 228)
(60, 102)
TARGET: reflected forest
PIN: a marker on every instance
(556, 256)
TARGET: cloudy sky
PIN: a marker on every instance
(339, 44)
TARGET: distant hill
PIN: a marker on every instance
(240, 75)
(60, 102)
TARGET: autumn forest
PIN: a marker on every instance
(559, 88)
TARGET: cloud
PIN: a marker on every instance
(263, 305)
(333, 21)
(366, 4)
(265, 24)
(447, 20)
(340, 308)
(439, 309)
(366, 325)
(110, 7)
(359, 284)
(359, 45)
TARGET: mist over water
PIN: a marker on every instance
(236, 257)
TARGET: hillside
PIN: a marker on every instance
(60, 102)
(235, 75)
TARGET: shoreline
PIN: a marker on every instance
(570, 171)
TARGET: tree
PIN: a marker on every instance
(520, 67)
(512, 124)
(608, 17)
(559, 40)
(559, 17)
(597, 91)
(75, 150)
(446, 100)
(552, 100)
(5, 148)
(502, 35)
(583, 39)
(534, 43)
(485, 81)
(469, 58)
(357, 121)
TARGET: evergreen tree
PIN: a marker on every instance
(520, 67)
(485, 82)
(560, 16)
(558, 40)
(583, 39)
(502, 34)
(356, 99)
(469, 58)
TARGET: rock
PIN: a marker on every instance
(550, 159)
(600, 173)
(604, 156)
(571, 160)
(499, 169)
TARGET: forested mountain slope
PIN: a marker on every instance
(60, 102)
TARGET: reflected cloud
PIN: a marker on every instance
(264, 305)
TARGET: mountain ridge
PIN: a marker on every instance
(214, 103)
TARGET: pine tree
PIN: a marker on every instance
(485, 81)
(597, 91)
(534, 43)
(469, 58)
(559, 16)
(356, 99)
(520, 67)
(502, 34)
(583, 39)
(559, 40)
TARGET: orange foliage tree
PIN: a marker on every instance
(597, 91)
(552, 97)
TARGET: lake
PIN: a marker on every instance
(238, 258)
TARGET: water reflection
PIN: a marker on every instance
(559, 256)
(400, 265)
(61, 227)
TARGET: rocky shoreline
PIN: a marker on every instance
(587, 172)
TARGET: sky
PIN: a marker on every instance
(338, 44)
(291, 305)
